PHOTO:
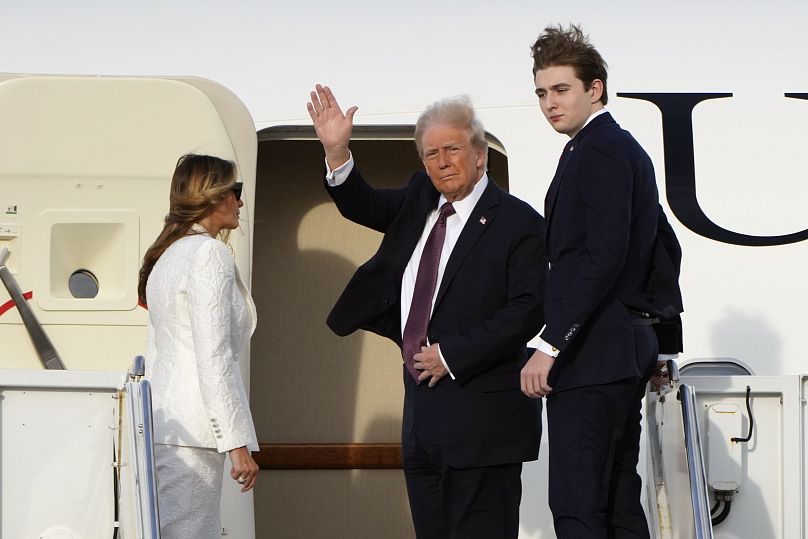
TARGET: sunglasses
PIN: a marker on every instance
(237, 187)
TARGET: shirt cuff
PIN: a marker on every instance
(547, 348)
(446, 365)
(340, 174)
(666, 357)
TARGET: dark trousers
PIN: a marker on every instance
(594, 439)
(452, 503)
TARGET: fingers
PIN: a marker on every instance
(327, 96)
(436, 378)
(315, 104)
(326, 100)
(245, 474)
(529, 386)
(434, 373)
(533, 383)
(544, 387)
(322, 101)
(244, 470)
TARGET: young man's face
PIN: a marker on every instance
(563, 99)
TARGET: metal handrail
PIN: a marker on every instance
(699, 495)
(42, 344)
(142, 439)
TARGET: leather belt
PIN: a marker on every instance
(639, 318)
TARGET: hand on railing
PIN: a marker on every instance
(660, 376)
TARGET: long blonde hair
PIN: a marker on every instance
(199, 183)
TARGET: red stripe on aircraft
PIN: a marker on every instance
(10, 303)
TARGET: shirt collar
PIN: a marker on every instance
(592, 117)
(463, 208)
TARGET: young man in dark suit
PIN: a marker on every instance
(457, 283)
(597, 350)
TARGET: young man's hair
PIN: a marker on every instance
(557, 46)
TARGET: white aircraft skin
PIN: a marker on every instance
(392, 59)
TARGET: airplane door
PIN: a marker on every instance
(327, 409)
(85, 169)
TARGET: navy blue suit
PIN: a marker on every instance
(488, 305)
(602, 213)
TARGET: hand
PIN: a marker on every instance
(428, 360)
(660, 377)
(244, 470)
(534, 375)
(332, 126)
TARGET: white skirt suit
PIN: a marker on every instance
(201, 317)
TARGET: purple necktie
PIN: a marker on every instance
(417, 321)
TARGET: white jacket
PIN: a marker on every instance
(201, 318)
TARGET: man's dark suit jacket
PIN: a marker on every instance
(488, 305)
(602, 212)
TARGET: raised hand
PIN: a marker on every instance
(332, 126)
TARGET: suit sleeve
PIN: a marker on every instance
(605, 184)
(210, 287)
(520, 317)
(357, 201)
(669, 330)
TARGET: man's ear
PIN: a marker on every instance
(596, 90)
(480, 158)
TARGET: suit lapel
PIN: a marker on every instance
(412, 225)
(565, 159)
(479, 221)
(552, 191)
(248, 300)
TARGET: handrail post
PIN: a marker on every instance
(699, 495)
(42, 344)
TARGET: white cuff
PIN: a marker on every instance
(446, 365)
(666, 357)
(547, 348)
(340, 174)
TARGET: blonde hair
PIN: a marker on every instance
(199, 183)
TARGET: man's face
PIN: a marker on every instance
(563, 99)
(453, 164)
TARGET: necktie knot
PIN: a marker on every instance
(446, 210)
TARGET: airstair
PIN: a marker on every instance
(726, 453)
(76, 452)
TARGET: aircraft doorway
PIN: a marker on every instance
(327, 409)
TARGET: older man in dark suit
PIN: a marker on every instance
(457, 282)
(598, 348)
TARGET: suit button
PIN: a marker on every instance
(219, 436)
(213, 420)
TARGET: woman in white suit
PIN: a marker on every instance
(200, 318)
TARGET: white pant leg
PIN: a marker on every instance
(189, 490)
